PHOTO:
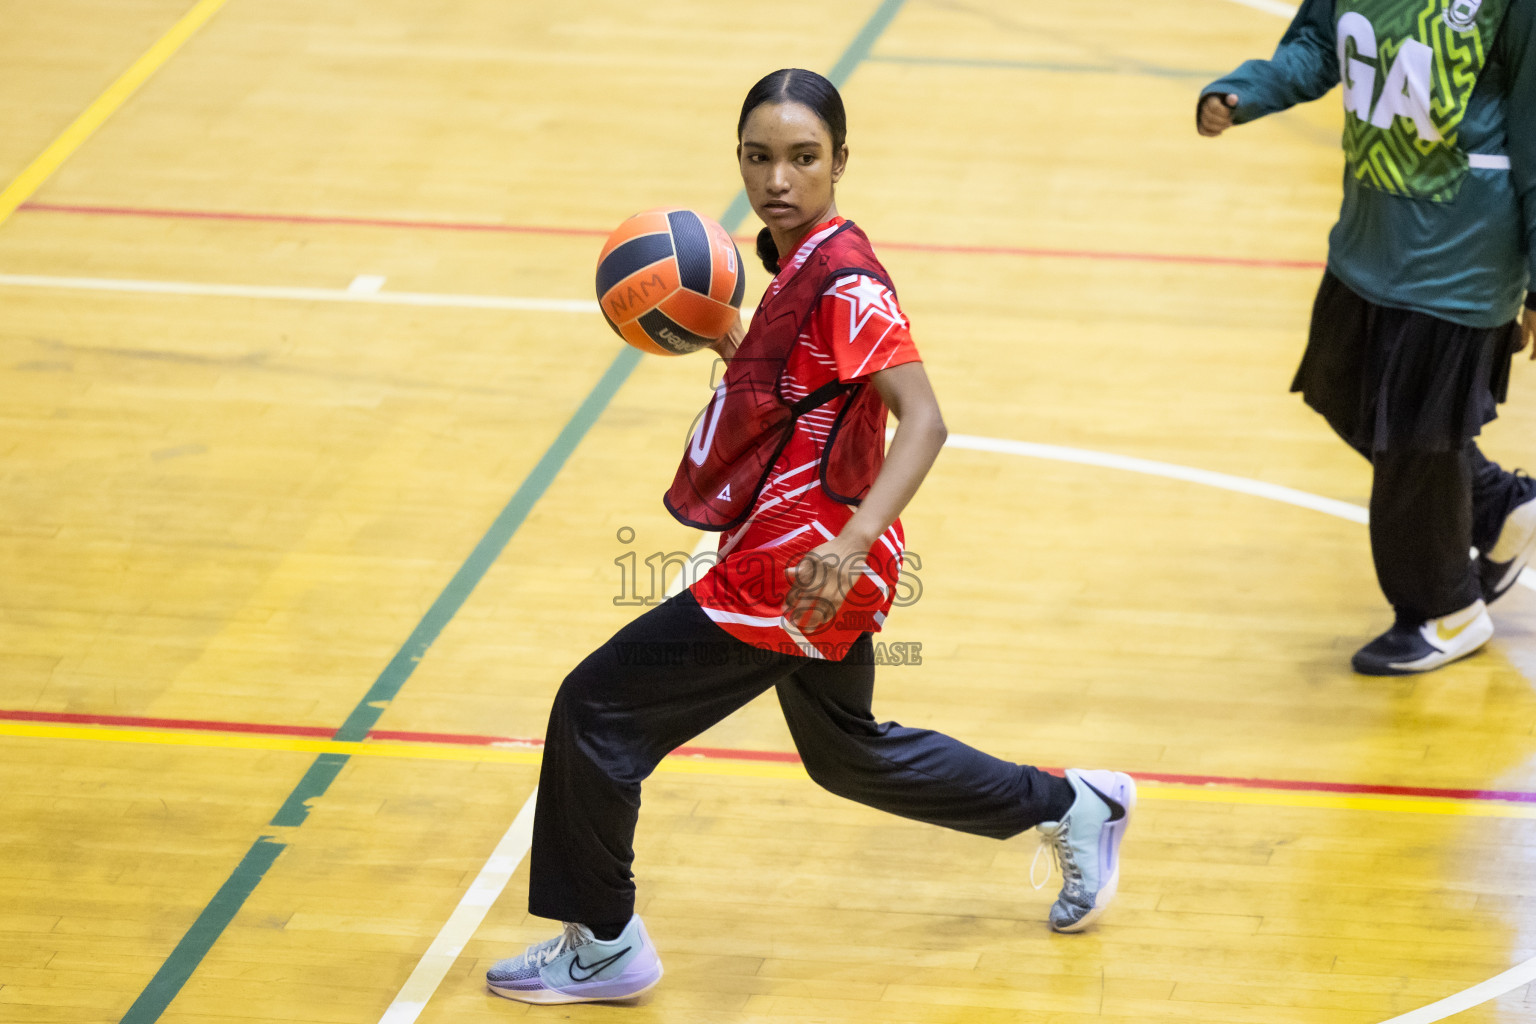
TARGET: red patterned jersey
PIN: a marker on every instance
(856, 330)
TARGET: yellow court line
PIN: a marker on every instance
(105, 105)
(283, 744)
(1336, 801)
(680, 765)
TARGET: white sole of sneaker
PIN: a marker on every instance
(550, 997)
(1516, 535)
(1125, 795)
(1469, 641)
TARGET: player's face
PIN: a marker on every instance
(789, 168)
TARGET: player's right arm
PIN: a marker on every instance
(1305, 66)
(725, 347)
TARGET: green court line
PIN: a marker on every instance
(200, 937)
(226, 903)
(1052, 67)
(858, 50)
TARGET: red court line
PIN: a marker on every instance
(535, 229)
(1096, 254)
(732, 754)
(302, 218)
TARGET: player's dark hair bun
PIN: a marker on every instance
(767, 251)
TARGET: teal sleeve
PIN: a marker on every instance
(1515, 36)
(1304, 67)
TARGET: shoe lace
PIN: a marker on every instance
(545, 953)
(1056, 842)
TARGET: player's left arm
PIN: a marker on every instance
(1515, 37)
(920, 432)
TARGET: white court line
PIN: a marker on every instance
(1106, 460)
(1173, 471)
(1270, 7)
(252, 291)
(366, 284)
(466, 917)
(1465, 1000)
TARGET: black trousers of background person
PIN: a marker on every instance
(1409, 392)
(1423, 509)
(671, 674)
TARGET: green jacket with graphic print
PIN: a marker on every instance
(1439, 211)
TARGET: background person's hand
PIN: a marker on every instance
(1528, 332)
(1216, 113)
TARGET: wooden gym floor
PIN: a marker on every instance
(315, 461)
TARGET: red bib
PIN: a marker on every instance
(748, 421)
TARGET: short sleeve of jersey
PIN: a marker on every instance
(864, 327)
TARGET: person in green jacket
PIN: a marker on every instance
(1418, 314)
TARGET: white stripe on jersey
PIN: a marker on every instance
(730, 540)
(766, 621)
(784, 539)
(791, 472)
(875, 348)
(800, 490)
(782, 624)
(765, 506)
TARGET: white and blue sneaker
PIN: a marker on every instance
(1086, 842)
(575, 967)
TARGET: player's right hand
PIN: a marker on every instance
(726, 346)
(1215, 115)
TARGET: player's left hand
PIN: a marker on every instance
(820, 581)
(1528, 332)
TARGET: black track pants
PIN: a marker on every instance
(1427, 509)
(671, 674)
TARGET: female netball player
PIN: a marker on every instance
(1414, 324)
(788, 462)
